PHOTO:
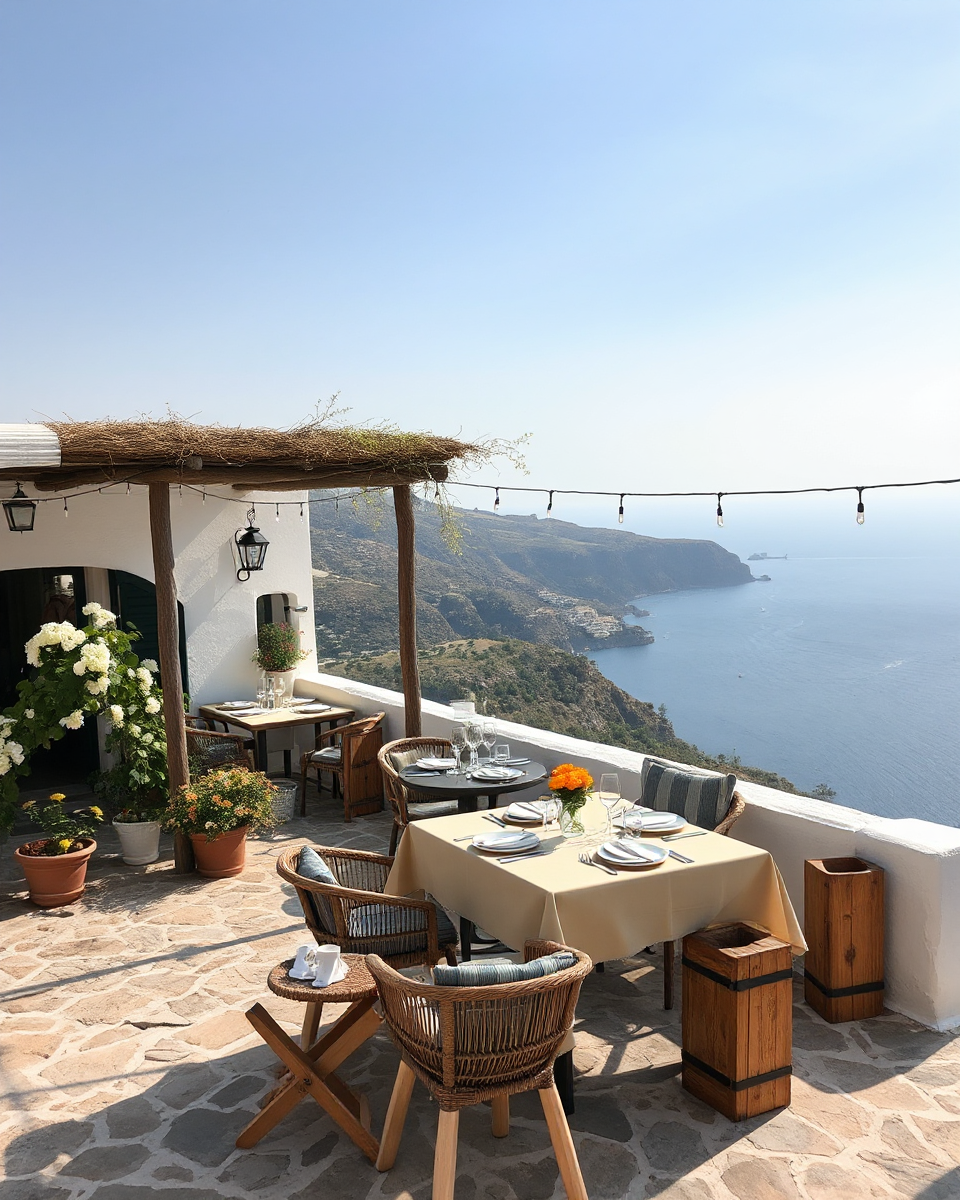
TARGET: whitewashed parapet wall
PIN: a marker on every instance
(922, 860)
(112, 530)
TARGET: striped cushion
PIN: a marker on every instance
(701, 797)
(331, 754)
(481, 974)
(311, 866)
(381, 920)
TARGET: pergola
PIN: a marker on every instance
(64, 456)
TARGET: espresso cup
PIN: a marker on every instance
(326, 963)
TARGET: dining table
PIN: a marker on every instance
(468, 788)
(608, 916)
(259, 722)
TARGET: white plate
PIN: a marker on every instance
(436, 764)
(506, 842)
(628, 852)
(238, 704)
(497, 774)
(651, 822)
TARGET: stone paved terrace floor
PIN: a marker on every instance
(128, 1069)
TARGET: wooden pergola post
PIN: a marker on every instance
(407, 603)
(168, 631)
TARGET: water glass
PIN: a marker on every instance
(501, 753)
(609, 797)
(551, 810)
(474, 737)
(489, 737)
(458, 743)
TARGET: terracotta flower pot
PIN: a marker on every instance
(222, 857)
(55, 879)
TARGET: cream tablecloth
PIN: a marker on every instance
(605, 916)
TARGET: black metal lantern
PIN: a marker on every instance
(20, 512)
(251, 548)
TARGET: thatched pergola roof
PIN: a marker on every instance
(173, 450)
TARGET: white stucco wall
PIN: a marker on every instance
(112, 530)
(921, 859)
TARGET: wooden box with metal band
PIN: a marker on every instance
(737, 1019)
(843, 926)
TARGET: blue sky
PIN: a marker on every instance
(684, 244)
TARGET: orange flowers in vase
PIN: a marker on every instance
(571, 786)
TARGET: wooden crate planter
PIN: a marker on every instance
(362, 778)
(843, 927)
(737, 1019)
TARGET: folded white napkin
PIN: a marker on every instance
(507, 839)
(629, 850)
(523, 810)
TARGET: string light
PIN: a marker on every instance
(860, 515)
(204, 495)
(66, 511)
(620, 512)
(278, 512)
(180, 490)
(719, 509)
(436, 494)
(128, 487)
(301, 512)
(550, 504)
(496, 502)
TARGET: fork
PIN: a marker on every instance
(588, 862)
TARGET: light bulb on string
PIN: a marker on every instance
(66, 511)
(204, 495)
(550, 504)
(301, 512)
(180, 490)
(496, 501)
(719, 509)
(620, 512)
(128, 487)
(860, 513)
(278, 512)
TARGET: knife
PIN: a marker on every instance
(495, 820)
(672, 837)
(520, 857)
(679, 857)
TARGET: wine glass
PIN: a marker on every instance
(609, 797)
(489, 738)
(474, 738)
(458, 743)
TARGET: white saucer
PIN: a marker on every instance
(645, 855)
(523, 841)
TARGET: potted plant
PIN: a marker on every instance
(216, 811)
(571, 786)
(278, 654)
(56, 865)
(138, 828)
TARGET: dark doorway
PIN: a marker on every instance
(28, 599)
(134, 600)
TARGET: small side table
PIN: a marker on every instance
(312, 1063)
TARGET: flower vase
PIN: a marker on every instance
(222, 857)
(571, 820)
(55, 879)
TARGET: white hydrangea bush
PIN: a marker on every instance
(80, 674)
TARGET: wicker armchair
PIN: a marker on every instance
(209, 751)
(409, 805)
(734, 813)
(349, 754)
(356, 916)
(470, 1044)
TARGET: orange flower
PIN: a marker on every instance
(568, 778)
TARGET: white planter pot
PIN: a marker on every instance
(139, 841)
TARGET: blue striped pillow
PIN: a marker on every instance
(311, 866)
(701, 797)
(481, 974)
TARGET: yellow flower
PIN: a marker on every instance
(65, 844)
(58, 796)
(97, 812)
(29, 804)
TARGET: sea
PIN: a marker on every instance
(839, 670)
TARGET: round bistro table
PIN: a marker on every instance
(467, 791)
(312, 1063)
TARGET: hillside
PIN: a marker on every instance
(544, 581)
(547, 688)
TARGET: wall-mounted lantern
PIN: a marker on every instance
(251, 548)
(20, 511)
